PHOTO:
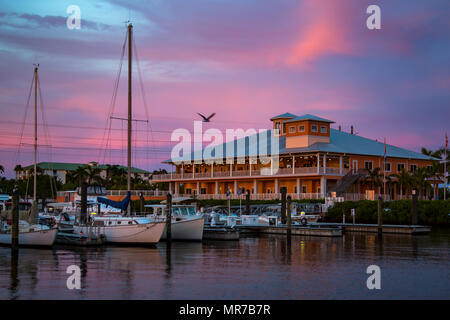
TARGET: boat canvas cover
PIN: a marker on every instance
(122, 205)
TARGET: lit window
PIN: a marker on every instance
(301, 128)
(314, 128)
(323, 129)
(291, 129)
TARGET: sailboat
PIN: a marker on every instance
(126, 229)
(30, 232)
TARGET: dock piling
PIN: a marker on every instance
(83, 207)
(283, 205)
(289, 224)
(169, 218)
(15, 221)
(380, 218)
(414, 215)
(247, 202)
(141, 202)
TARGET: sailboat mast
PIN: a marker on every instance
(130, 42)
(35, 131)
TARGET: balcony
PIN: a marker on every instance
(282, 172)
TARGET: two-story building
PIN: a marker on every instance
(313, 159)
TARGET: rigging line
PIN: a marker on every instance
(24, 119)
(144, 98)
(115, 89)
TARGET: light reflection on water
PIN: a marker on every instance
(269, 267)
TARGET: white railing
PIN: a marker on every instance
(252, 173)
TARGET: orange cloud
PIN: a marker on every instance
(326, 31)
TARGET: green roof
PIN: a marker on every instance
(74, 166)
(309, 117)
(284, 116)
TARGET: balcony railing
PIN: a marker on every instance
(252, 173)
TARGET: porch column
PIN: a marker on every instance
(182, 169)
(271, 166)
(231, 169)
(324, 163)
(235, 187)
(216, 187)
(250, 165)
(277, 187)
(171, 187)
(171, 170)
(340, 164)
(323, 186)
(193, 169)
(293, 164)
(318, 163)
(212, 169)
(299, 186)
(255, 186)
(198, 188)
(177, 187)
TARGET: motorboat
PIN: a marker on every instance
(186, 224)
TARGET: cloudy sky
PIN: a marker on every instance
(246, 60)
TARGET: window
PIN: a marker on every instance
(291, 129)
(301, 128)
(323, 129)
(400, 167)
(284, 128)
(429, 167)
(277, 128)
(368, 165)
(188, 191)
(412, 167)
(304, 189)
(387, 167)
(313, 128)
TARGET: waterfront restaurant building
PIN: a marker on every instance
(314, 161)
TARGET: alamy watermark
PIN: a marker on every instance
(74, 280)
(374, 280)
(237, 145)
(74, 19)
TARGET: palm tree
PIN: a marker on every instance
(374, 177)
(79, 174)
(419, 180)
(2, 169)
(404, 179)
(93, 174)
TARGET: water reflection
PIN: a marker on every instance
(266, 267)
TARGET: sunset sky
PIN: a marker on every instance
(246, 60)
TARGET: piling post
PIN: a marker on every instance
(99, 209)
(15, 221)
(380, 218)
(247, 202)
(414, 215)
(169, 218)
(283, 205)
(83, 207)
(289, 225)
(343, 215)
(141, 202)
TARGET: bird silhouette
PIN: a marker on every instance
(206, 119)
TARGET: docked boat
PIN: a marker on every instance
(29, 235)
(126, 230)
(186, 225)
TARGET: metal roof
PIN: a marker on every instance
(284, 116)
(309, 117)
(340, 142)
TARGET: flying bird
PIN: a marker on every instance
(205, 119)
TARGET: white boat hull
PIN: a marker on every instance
(41, 238)
(144, 234)
(190, 229)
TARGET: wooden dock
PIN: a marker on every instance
(308, 230)
(220, 233)
(373, 228)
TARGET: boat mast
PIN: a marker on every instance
(35, 130)
(130, 45)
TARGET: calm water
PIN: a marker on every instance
(253, 268)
